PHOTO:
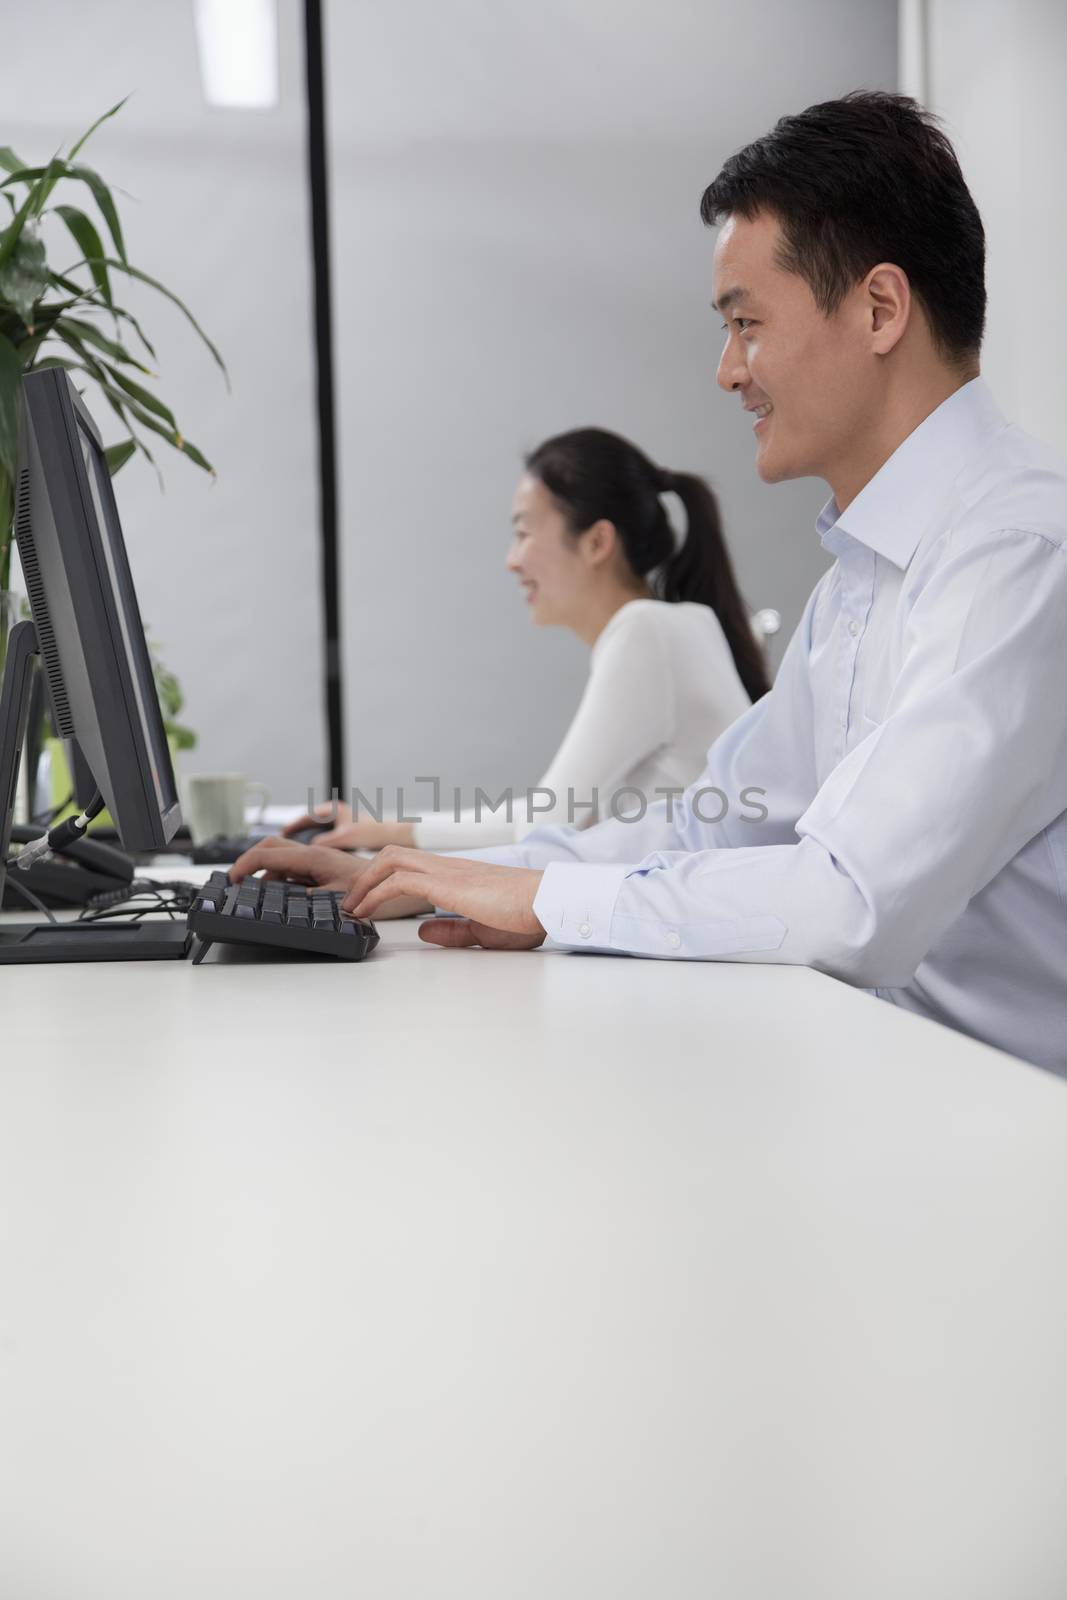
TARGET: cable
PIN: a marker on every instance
(27, 894)
(45, 819)
(126, 916)
(176, 902)
(58, 838)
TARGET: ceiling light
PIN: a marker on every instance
(238, 45)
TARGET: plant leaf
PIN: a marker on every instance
(28, 347)
(117, 455)
(128, 316)
(45, 179)
(78, 294)
(188, 448)
(89, 243)
(73, 151)
(10, 397)
(24, 275)
(143, 396)
(142, 277)
(59, 361)
(89, 300)
(125, 407)
(10, 236)
(114, 310)
(102, 196)
(24, 175)
(92, 335)
(47, 182)
(9, 160)
(174, 438)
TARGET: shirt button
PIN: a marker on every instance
(675, 941)
(853, 628)
(585, 930)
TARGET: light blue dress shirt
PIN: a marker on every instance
(913, 754)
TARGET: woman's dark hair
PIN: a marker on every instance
(593, 474)
(867, 178)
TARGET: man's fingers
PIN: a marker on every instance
(460, 933)
(454, 932)
(365, 903)
(393, 858)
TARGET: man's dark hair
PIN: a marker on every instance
(867, 178)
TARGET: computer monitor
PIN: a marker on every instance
(89, 630)
(89, 633)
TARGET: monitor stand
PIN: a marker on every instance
(59, 941)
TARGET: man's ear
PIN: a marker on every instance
(889, 306)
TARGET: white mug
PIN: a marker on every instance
(214, 804)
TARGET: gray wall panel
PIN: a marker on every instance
(518, 250)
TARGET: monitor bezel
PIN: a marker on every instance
(50, 446)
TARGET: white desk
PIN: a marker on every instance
(492, 1275)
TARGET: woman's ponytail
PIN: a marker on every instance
(700, 569)
(593, 473)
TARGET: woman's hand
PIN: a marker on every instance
(311, 864)
(337, 812)
(363, 833)
(366, 834)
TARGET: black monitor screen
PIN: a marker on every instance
(129, 620)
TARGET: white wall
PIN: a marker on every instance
(518, 250)
(217, 209)
(996, 70)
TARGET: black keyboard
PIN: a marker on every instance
(284, 916)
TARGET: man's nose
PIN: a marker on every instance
(732, 371)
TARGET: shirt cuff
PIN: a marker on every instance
(576, 902)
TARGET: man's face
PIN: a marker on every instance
(807, 379)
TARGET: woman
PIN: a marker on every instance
(673, 657)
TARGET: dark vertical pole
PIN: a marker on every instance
(320, 256)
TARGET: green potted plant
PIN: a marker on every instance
(72, 319)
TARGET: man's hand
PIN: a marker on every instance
(496, 901)
(319, 866)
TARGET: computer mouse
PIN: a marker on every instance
(309, 834)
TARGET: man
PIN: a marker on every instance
(913, 751)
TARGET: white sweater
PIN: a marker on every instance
(662, 687)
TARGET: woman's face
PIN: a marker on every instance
(547, 559)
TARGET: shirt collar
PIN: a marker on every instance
(892, 512)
